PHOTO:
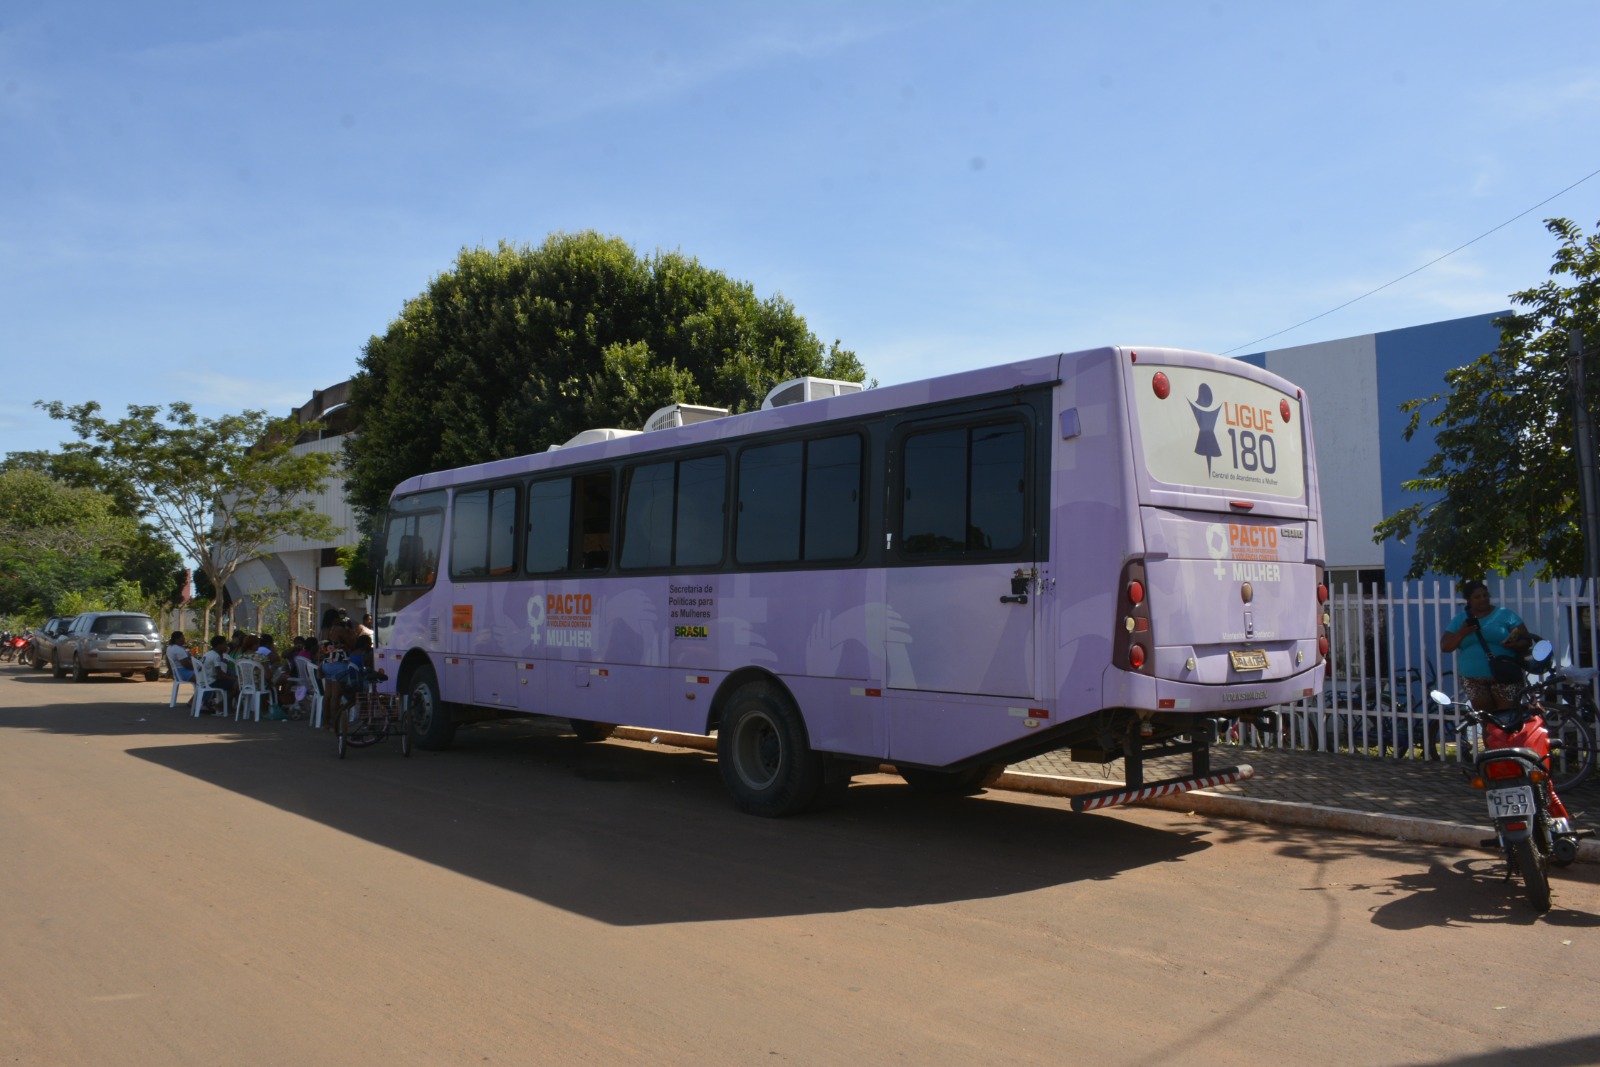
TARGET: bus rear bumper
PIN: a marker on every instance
(1138, 692)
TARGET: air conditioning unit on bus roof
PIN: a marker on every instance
(589, 437)
(799, 390)
(681, 415)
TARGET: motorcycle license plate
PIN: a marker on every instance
(1251, 659)
(1507, 803)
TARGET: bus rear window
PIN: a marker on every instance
(1219, 431)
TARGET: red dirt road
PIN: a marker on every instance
(180, 891)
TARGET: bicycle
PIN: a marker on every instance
(1571, 718)
(371, 718)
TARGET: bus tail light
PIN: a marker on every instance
(1324, 621)
(1134, 640)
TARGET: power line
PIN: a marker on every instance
(1424, 267)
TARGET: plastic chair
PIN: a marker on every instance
(252, 687)
(305, 673)
(205, 681)
(172, 702)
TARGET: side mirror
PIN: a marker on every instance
(1440, 698)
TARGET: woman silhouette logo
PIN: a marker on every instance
(1205, 413)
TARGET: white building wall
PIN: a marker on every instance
(1341, 379)
(330, 502)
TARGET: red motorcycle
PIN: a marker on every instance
(16, 647)
(1532, 826)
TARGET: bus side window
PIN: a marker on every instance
(469, 534)
(964, 490)
(647, 516)
(699, 512)
(549, 546)
(503, 531)
(483, 533)
(594, 520)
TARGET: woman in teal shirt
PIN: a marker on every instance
(1502, 632)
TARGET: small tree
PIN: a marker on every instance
(1502, 484)
(219, 489)
(272, 615)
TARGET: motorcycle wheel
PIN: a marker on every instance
(1533, 863)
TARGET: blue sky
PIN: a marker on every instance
(220, 204)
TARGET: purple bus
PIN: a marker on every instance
(1116, 551)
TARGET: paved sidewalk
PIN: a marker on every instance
(1409, 799)
(1421, 790)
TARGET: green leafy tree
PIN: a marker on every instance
(219, 489)
(149, 561)
(56, 540)
(518, 348)
(1502, 485)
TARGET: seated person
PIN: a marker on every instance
(341, 683)
(219, 670)
(278, 675)
(178, 657)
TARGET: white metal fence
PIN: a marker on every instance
(1385, 660)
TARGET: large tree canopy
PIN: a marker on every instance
(57, 539)
(1502, 485)
(519, 348)
(149, 561)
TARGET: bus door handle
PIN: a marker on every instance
(1020, 598)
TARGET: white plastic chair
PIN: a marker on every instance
(252, 687)
(305, 673)
(205, 681)
(172, 702)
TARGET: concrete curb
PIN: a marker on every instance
(1205, 802)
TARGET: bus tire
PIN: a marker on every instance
(766, 761)
(432, 724)
(590, 732)
(952, 783)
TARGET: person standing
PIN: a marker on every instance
(1476, 634)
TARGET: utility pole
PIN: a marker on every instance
(1585, 442)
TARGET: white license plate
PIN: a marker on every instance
(1507, 803)
(1249, 659)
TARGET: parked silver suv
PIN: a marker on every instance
(105, 641)
(47, 637)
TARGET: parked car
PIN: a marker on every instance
(47, 637)
(100, 642)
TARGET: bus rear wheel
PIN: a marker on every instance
(762, 751)
(952, 783)
(432, 725)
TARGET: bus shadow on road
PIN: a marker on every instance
(631, 834)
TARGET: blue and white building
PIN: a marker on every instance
(1356, 386)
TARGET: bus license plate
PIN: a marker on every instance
(1252, 659)
(1508, 803)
